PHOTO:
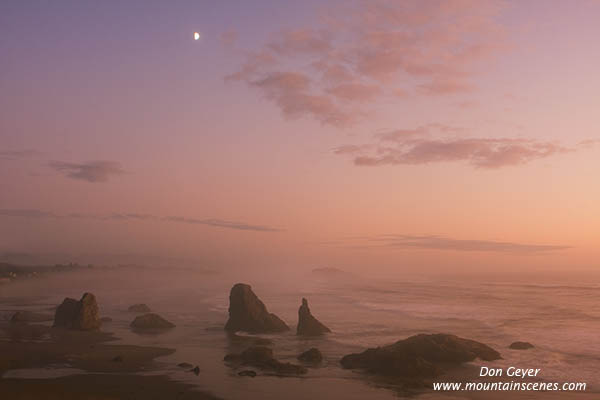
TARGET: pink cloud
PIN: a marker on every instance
(360, 53)
(295, 42)
(290, 91)
(441, 87)
(424, 145)
(354, 91)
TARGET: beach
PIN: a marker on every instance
(34, 357)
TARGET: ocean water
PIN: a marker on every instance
(561, 320)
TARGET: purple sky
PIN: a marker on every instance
(445, 134)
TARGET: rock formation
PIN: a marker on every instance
(307, 324)
(262, 357)
(420, 356)
(248, 313)
(81, 315)
(150, 321)
(139, 308)
(29, 316)
(312, 356)
(521, 346)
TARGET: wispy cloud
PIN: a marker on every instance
(91, 171)
(432, 242)
(436, 143)
(364, 50)
(27, 213)
(212, 222)
(18, 154)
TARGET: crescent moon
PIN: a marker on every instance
(196, 36)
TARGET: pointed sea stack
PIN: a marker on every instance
(307, 324)
(247, 313)
(81, 315)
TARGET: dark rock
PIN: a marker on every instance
(420, 356)
(81, 315)
(247, 372)
(521, 346)
(118, 359)
(151, 322)
(235, 358)
(262, 357)
(139, 308)
(185, 365)
(248, 313)
(106, 319)
(195, 370)
(257, 355)
(307, 324)
(28, 316)
(311, 356)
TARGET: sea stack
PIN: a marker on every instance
(420, 356)
(307, 324)
(80, 315)
(247, 313)
(150, 321)
(521, 346)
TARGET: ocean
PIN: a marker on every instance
(561, 320)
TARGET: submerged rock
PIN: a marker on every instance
(185, 365)
(29, 316)
(247, 372)
(195, 370)
(151, 322)
(311, 356)
(307, 324)
(248, 313)
(420, 356)
(262, 357)
(521, 346)
(139, 308)
(81, 315)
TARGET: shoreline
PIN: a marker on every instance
(109, 370)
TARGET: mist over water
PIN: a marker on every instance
(560, 319)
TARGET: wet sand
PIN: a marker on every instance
(105, 370)
(99, 387)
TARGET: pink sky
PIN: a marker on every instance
(400, 135)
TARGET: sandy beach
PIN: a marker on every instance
(102, 370)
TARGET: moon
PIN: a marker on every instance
(196, 36)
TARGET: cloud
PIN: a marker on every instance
(17, 154)
(359, 52)
(92, 171)
(302, 41)
(441, 87)
(219, 223)
(212, 222)
(289, 90)
(431, 144)
(27, 213)
(354, 91)
(432, 242)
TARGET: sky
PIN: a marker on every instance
(383, 135)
